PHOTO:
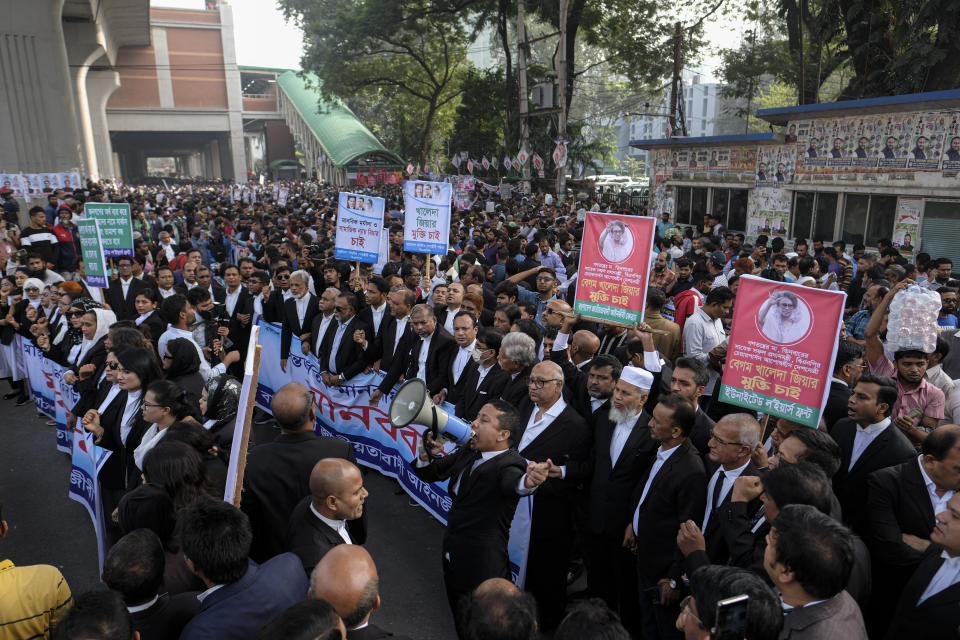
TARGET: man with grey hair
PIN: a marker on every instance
(518, 354)
(557, 434)
(299, 312)
(323, 320)
(732, 442)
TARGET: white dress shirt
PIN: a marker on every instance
(483, 371)
(114, 391)
(939, 502)
(729, 477)
(142, 318)
(401, 327)
(701, 333)
(662, 456)
(340, 526)
(301, 304)
(325, 321)
(619, 438)
(448, 323)
(231, 300)
(422, 357)
(378, 313)
(130, 412)
(863, 438)
(536, 427)
(125, 286)
(165, 293)
(946, 576)
(596, 403)
(464, 354)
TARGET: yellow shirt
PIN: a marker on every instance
(33, 600)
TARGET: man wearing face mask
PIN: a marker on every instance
(484, 381)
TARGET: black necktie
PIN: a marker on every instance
(472, 460)
(717, 488)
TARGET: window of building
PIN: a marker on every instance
(691, 205)
(705, 107)
(814, 215)
(730, 206)
(868, 218)
(826, 217)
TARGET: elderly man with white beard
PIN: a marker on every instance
(622, 451)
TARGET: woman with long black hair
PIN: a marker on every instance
(181, 365)
(119, 426)
(163, 404)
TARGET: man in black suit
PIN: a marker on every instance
(622, 451)
(902, 505)
(280, 293)
(341, 353)
(930, 604)
(277, 475)
(122, 292)
(484, 381)
(376, 312)
(488, 478)
(518, 354)
(590, 390)
(330, 515)
(428, 358)
(298, 314)
(239, 306)
(397, 336)
(462, 363)
(671, 491)
(134, 568)
(347, 578)
(447, 312)
(554, 433)
(205, 280)
(868, 442)
(732, 442)
(327, 300)
(809, 557)
(689, 379)
(846, 371)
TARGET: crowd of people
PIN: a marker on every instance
(658, 511)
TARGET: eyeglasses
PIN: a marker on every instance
(147, 404)
(113, 366)
(278, 277)
(167, 356)
(339, 309)
(713, 436)
(537, 383)
(544, 279)
(73, 314)
(31, 289)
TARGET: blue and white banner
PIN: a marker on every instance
(359, 226)
(426, 218)
(54, 398)
(344, 412)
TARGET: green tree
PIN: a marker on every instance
(479, 123)
(356, 46)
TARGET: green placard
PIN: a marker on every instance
(116, 229)
(91, 249)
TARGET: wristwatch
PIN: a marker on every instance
(673, 583)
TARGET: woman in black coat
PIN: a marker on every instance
(120, 426)
(146, 304)
(181, 365)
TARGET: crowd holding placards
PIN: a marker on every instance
(653, 487)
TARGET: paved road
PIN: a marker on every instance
(47, 527)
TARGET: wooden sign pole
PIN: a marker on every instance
(247, 421)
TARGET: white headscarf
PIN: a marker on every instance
(33, 282)
(105, 318)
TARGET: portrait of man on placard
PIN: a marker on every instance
(616, 242)
(783, 318)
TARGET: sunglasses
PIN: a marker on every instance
(113, 366)
(73, 314)
(282, 277)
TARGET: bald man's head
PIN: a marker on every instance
(497, 609)
(293, 408)
(584, 345)
(336, 486)
(347, 578)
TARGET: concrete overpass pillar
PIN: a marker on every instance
(100, 86)
(38, 112)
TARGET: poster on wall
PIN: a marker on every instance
(951, 150)
(775, 165)
(893, 153)
(743, 159)
(868, 140)
(768, 213)
(927, 140)
(906, 226)
(840, 150)
(719, 160)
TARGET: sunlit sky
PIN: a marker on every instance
(265, 39)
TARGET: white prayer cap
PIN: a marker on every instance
(640, 378)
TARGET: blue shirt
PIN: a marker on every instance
(663, 227)
(525, 295)
(857, 325)
(949, 321)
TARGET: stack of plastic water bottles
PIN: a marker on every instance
(912, 323)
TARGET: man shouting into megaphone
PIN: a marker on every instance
(487, 478)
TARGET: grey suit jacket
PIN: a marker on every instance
(838, 617)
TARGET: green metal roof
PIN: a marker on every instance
(342, 136)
